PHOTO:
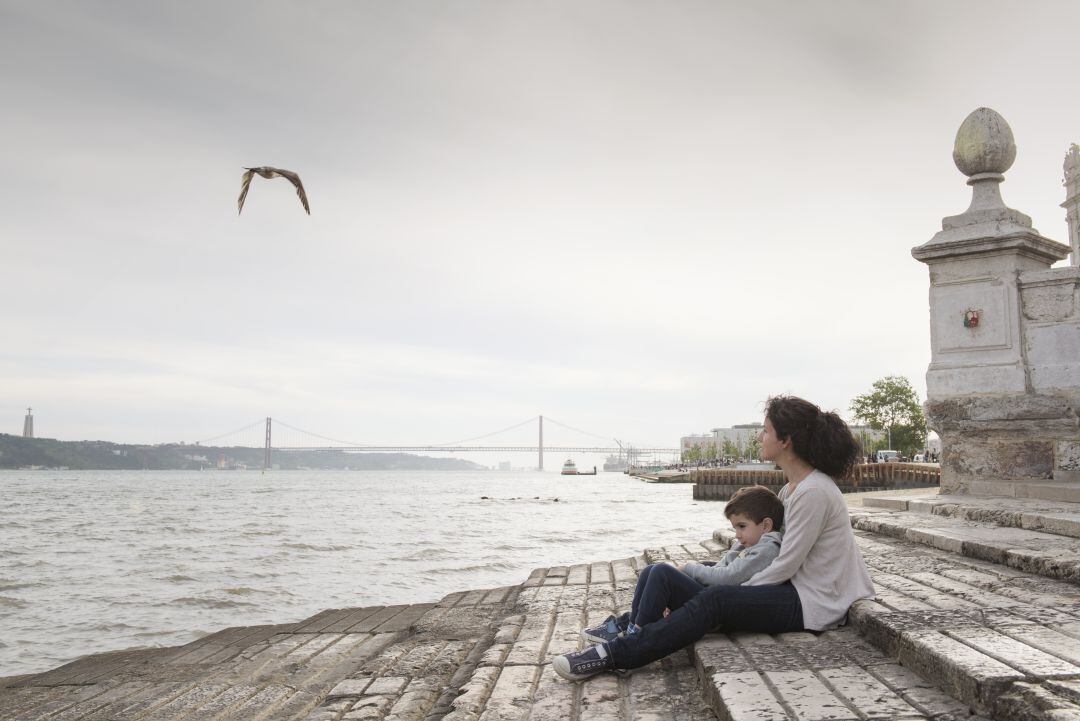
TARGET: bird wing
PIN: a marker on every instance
(245, 183)
(295, 180)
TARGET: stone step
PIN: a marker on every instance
(1055, 517)
(1002, 641)
(514, 678)
(834, 676)
(947, 635)
(1066, 491)
(1047, 554)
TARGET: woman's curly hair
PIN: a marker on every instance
(821, 439)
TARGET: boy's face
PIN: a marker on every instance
(746, 531)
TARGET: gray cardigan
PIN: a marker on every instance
(820, 556)
(738, 564)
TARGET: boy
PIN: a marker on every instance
(756, 515)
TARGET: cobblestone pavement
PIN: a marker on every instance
(475, 655)
(950, 634)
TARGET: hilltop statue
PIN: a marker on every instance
(1072, 199)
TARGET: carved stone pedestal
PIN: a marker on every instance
(1003, 385)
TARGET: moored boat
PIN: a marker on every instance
(570, 469)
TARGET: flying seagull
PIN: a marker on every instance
(268, 172)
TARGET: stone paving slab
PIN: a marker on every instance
(953, 632)
(1056, 517)
(1034, 488)
(979, 630)
(380, 662)
(1038, 552)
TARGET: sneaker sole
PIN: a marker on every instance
(562, 667)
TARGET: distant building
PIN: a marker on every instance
(867, 435)
(688, 442)
(504, 465)
(28, 424)
(740, 435)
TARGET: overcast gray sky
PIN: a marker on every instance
(639, 218)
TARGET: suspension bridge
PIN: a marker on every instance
(297, 439)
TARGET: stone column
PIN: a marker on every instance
(979, 394)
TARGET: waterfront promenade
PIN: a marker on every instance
(978, 611)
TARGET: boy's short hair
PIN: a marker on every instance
(756, 503)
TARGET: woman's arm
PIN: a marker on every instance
(805, 516)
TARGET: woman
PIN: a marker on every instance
(811, 584)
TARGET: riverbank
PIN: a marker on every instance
(957, 627)
(97, 561)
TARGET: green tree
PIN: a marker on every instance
(693, 454)
(893, 406)
(753, 447)
(730, 449)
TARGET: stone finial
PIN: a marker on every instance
(984, 144)
(984, 149)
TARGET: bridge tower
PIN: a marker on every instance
(266, 451)
(541, 444)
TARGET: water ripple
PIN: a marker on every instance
(94, 561)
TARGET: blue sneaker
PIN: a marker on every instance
(611, 629)
(583, 664)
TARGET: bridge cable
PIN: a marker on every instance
(487, 435)
(578, 430)
(361, 445)
(321, 437)
(232, 433)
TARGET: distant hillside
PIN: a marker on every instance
(19, 452)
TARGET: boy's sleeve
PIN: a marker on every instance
(732, 554)
(734, 570)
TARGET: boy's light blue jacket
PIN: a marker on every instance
(738, 564)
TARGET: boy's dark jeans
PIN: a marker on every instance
(660, 586)
(760, 609)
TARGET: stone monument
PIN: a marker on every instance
(1003, 385)
(1072, 199)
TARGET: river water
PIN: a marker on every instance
(94, 561)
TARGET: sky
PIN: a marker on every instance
(638, 218)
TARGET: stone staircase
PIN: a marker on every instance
(978, 612)
(977, 617)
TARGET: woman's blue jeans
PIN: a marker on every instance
(760, 609)
(660, 586)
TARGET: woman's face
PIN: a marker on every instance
(770, 444)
